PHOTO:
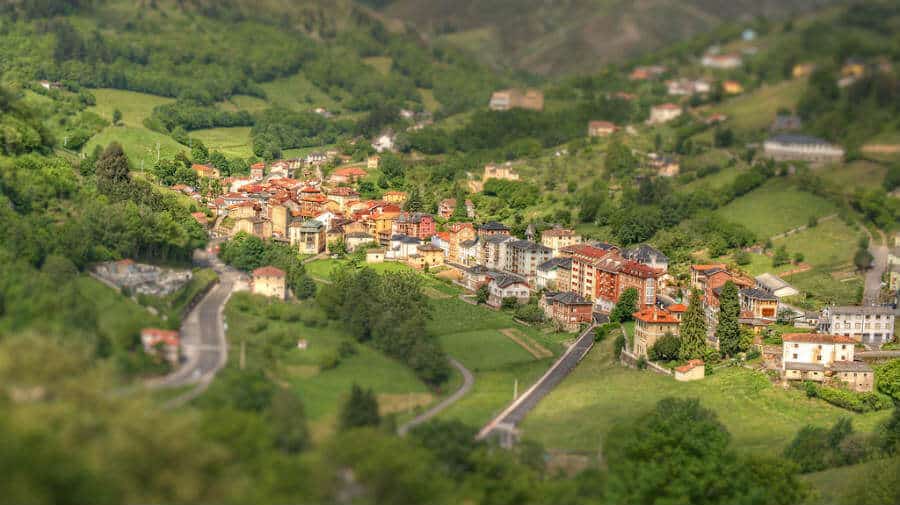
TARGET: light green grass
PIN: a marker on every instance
(600, 394)
(250, 104)
(232, 142)
(837, 486)
(297, 93)
(116, 314)
(820, 288)
(855, 174)
(825, 245)
(380, 63)
(775, 208)
(428, 100)
(139, 144)
(322, 391)
(134, 106)
(756, 110)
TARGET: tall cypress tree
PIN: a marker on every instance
(361, 409)
(112, 172)
(414, 203)
(693, 328)
(728, 330)
(459, 212)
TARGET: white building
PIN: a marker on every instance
(504, 285)
(820, 357)
(869, 325)
(664, 113)
(524, 256)
(493, 251)
(402, 247)
(775, 285)
(788, 147)
(721, 61)
(554, 274)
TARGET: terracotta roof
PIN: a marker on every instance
(817, 338)
(125, 262)
(690, 365)
(343, 191)
(348, 171)
(676, 308)
(655, 315)
(268, 271)
(156, 335)
(558, 232)
(712, 266)
(585, 250)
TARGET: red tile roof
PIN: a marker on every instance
(676, 308)
(156, 335)
(817, 338)
(655, 315)
(350, 171)
(268, 271)
(690, 365)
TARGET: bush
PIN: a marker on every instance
(531, 313)
(642, 363)
(329, 360)
(857, 402)
(509, 302)
(665, 349)
(600, 333)
(619, 345)
(753, 354)
(346, 349)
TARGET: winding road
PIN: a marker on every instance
(202, 336)
(468, 382)
(879, 253)
(519, 408)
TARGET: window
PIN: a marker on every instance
(843, 346)
(795, 355)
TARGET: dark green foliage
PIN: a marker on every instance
(391, 312)
(620, 162)
(280, 129)
(850, 400)
(515, 194)
(359, 410)
(452, 442)
(892, 177)
(619, 345)
(781, 257)
(625, 307)
(482, 294)
(887, 378)
(249, 252)
(509, 303)
(191, 115)
(863, 259)
(728, 329)
(112, 169)
(305, 287)
(889, 436)
(815, 449)
(679, 453)
(667, 348)
(288, 420)
(693, 328)
(530, 312)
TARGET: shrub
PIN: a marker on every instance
(600, 333)
(329, 360)
(509, 302)
(665, 349)
(642, 363)
(346, 349)
(619, 345)
(857, 402)
(753, 354)
(531, 313)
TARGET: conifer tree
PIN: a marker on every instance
(361, 409)
(625, 307)
(414, 203)
(728, 330)
(693, 328)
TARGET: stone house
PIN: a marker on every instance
(821, 357)
(375, 255)
(269, 281)
(396, 197)
(664, 113)
(693, 370)
(651, 324)
(164, 344)
(789, 147)
(426, 256)
(601, 128)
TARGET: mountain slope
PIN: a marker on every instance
(549, 37)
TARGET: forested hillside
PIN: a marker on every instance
(575, 36)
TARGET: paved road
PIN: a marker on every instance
(203, 337)
(468, 382)
(873, 275)
(517, 411)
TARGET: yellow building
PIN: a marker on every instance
(278, 213)
(651, 324)
(732, 88)
(558, 238)
(802, 69)
(398, 197)
(269, 281)
(308, 236)
(427, 255)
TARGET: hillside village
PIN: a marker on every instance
(410, 259)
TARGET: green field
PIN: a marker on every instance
(600, 394)
(232, 142)
(297, 93)
(135, 107)
(855, 174)
(822, 288)
(250, 104)
(139, 144)
(775, 208)
(258, 322)
(838, 486)
(830, 244)
(756, 110)
(380, 63)
(116, 314)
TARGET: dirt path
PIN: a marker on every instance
(525, 342)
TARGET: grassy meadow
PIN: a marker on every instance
(601, 393)
(232, 142)
(775, 208)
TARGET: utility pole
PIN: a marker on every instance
(516, 390)
(157, 152)
(243, 354)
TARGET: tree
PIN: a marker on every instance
(482, 294)
(666, 348)
(799, 257)
(625, 307)
(863, 259)
(414, 202)
(781, 257)
(116, 116)
(305, 287)
(889, 441)
(679, 453)
(459, 211)
(620, 162)
(728, 329)
(112, 169)
(360, 409)
(693, 328)
(724, 137)
(288, 420)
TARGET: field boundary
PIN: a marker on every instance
(527, 343)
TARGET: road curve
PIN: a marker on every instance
(519, 408)
(202, 338)
(468, 382)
